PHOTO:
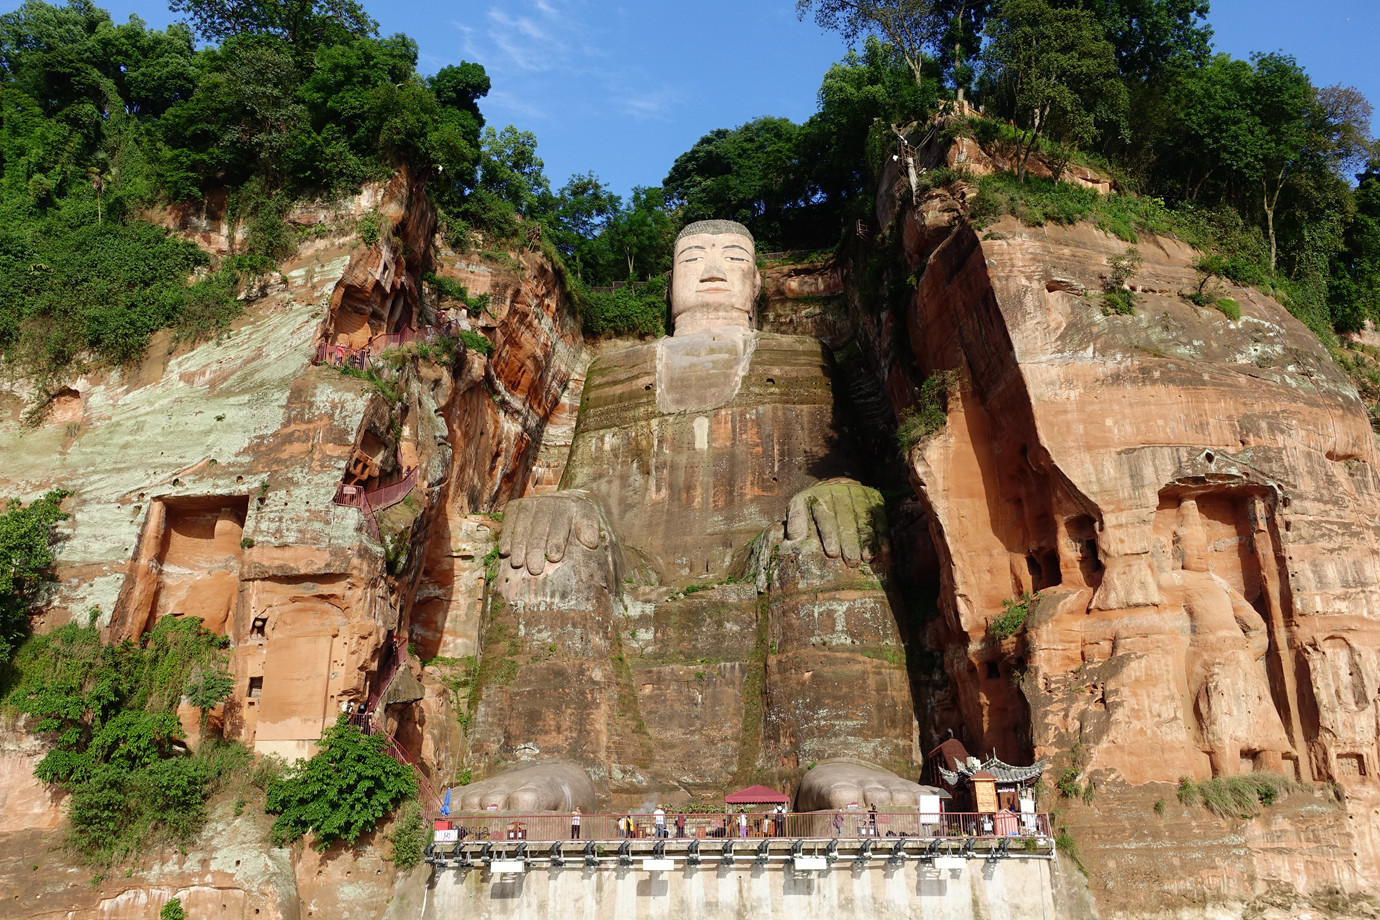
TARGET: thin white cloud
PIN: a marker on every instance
(511, 104)
(526, 45)
(648, 106)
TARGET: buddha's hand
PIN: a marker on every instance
(539, 530)
(848, 519)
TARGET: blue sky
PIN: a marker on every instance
(622, 88)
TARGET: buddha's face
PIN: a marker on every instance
(714, 283)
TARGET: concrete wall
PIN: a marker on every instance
(992, 890)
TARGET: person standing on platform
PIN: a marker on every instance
(575, 824)
(742, 824)
(659, 818)
(680, 826)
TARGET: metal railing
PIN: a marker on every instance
(372, 502)
(360, 358)
(850, 824)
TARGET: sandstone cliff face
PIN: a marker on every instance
(204, 485)
(1194, 499)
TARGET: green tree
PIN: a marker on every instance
(584, 207)
(510, 169)
(1053, 72)
(210, 685)
(859, 98)
(1152, 36)
(342, 792)
(27, 536)
(750, 174)
(110, 716)
(303, 25)
(639, 237)
(1354, 292)
(460, 87)
(909, 26)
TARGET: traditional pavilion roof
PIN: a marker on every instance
(757, 795)
(999, 770)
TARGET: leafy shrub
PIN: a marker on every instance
(630, 310)
(26, 561)
(477, 342)
(930, 412)
(454, 290)
(1230, 308)
(1116, 297)
(1065, 844)
(370, 226)
(446, 287)
(111, 712)
(172, 910)
(99, 291)
(342, 792)
(1012, 619)
(408, 837)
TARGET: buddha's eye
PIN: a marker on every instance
(736, 259)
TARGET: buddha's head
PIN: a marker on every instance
(714, 280)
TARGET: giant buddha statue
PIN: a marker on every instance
(704, 596)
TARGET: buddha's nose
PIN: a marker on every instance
(713, 270)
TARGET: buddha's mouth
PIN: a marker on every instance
(717, 289)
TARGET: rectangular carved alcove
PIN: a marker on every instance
(187, 564)
(1351, 766)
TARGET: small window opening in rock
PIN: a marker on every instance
(256, 687)
(260, 623)
(1209, 457)
(771, 382)
(992, 670)
(177, 482)
(1352, 765)
(647, 387)
(239, 479)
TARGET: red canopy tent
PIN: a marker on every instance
(757, 795)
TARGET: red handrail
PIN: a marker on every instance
(377, 500)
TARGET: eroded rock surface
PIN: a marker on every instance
(1194, 499)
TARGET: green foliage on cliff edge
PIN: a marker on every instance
(1237, 796)
(101, 121)
(930, 412)
(343, 792)
(109, 714)
(636, 311)
(26, 562)
(1013, 616)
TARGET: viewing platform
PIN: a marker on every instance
(808, 842)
